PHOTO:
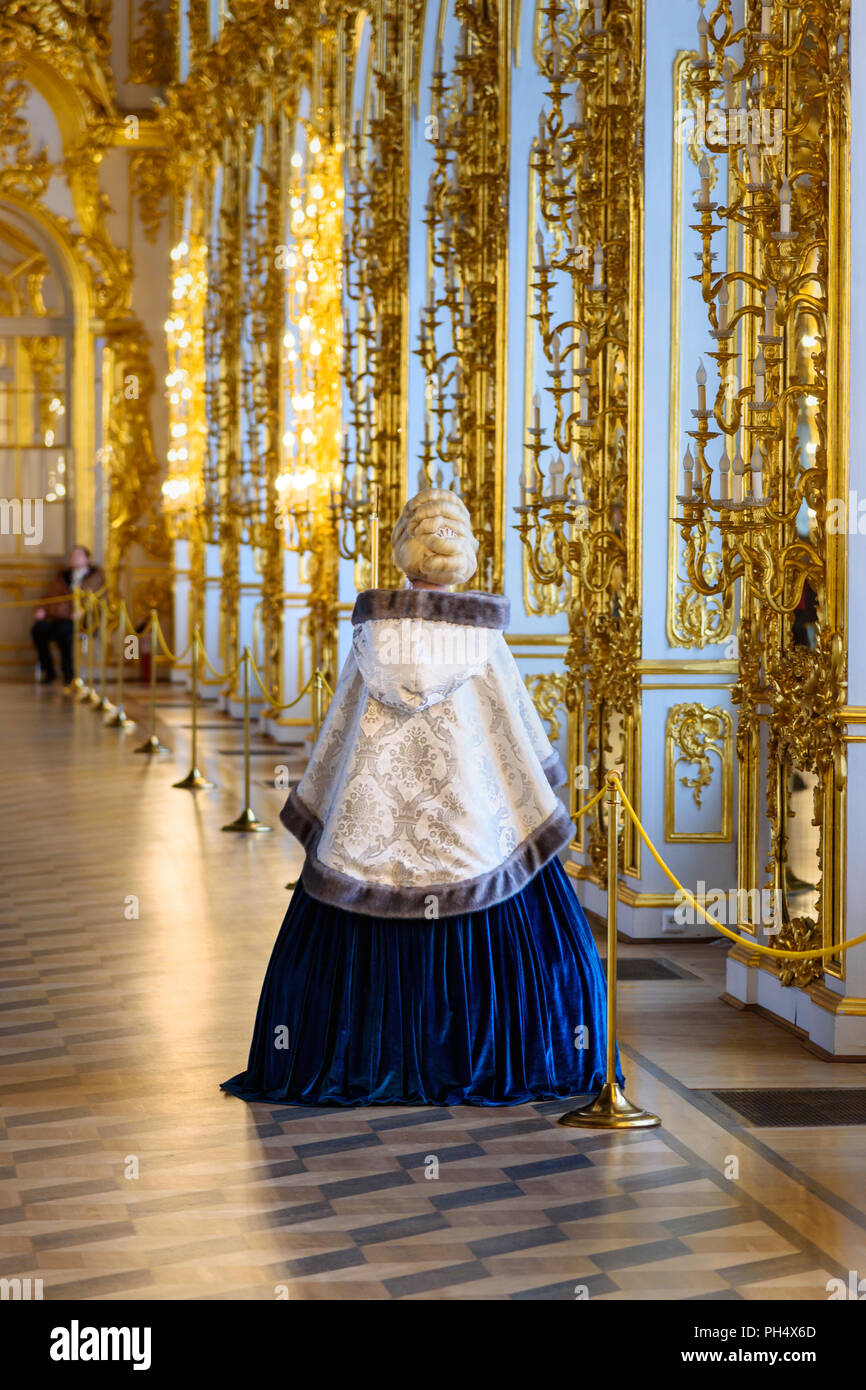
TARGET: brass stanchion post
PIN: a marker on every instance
(193, 781)
(611, 1108)
(374, 540)
(317, 703)
(86, 687)
(76, 683)
(120, 719)
(101, 702)
(247, 822)
(151, 743)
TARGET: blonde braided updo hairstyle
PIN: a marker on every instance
(433, 539)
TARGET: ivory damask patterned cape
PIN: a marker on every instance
(430, 789)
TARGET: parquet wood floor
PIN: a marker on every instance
(134, 940)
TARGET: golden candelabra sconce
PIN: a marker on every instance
(296, 516)
(773, 101)
(355, 516)
(183, 494)
(462, 341)
(564, 534)
(375, 270)
(364, 342)
(757, 500)
(579, 518)
(571, 520)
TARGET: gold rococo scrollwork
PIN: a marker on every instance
(701, 737)
(548, 692)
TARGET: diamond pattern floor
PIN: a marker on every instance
(134, 938)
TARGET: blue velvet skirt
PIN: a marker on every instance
(494, 1007)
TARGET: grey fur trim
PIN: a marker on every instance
(470, 609)
(382, 900)
(554, 770)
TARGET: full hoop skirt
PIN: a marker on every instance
(495, 1007)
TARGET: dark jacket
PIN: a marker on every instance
(61, 585)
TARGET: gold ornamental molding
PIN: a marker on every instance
(686, 666)
(768, 445)
(63, 54)
(376, 264)
(580, 516)
(701, 738)
(692, 619)
(463, 332)
(548, 692)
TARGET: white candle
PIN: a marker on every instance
(756, 463)
(576, 474)
(575, 227)
(738, 467)
(598, 260)
(766, 15)
(760, 372)
(725, 476)
(704, 171)
(702, 37)
(554, 349)
(539, 243)
(729, 87)
(526, 482)
(536, 405)
(556, 47)
(785, 209)
(688, 472)
(584, 402)
(541, 130)
(723, 308)
(431, 293)
(756, 175)
(598, 23)
(770, 301)
(701, 379)
(557, 472)
(582, 344)
(557, 156)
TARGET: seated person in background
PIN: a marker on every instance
(54, 621)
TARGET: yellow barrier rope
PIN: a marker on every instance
(278, 709)
(119, 617)
(220, 675)
(160, 637)
(734, 936)
(55, 598)
(129, 628)
(589, 804)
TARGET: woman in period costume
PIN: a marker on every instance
(434, 950)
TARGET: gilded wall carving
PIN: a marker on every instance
(581, 509)
(775, 315)
(701, 738)
(63, 50)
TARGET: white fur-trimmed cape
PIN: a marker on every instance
(430, 788)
